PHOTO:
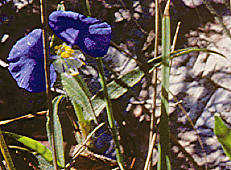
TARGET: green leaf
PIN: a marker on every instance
(58, 136)
(168, 163)
(34, 145)
(223, 133)
(84, 125)
(115, 90)
(79, 93)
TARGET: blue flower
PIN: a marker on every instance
(26, 63)
(104, 144)
(89, 34)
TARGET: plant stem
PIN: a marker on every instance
(164, 120)
(6, 153)
(110, 116)
(44, 21)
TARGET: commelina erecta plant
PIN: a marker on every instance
(26, 62)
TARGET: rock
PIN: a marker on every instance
(196, 3)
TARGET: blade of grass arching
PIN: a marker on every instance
(178, 53)
(45, 28)
(110, 115)
(164, 120)
(5, 152)
(58, 136)
(217, 17)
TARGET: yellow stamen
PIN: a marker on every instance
(66, 55)
(74, 74)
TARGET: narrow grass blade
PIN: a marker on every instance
(164, 120)
(223, 134)
(58, 136)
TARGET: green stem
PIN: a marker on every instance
(110, 116)
(44, 21)
(6, 153)
(164, 120)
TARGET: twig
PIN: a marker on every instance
(28, 116)
(175, 37)
(151, 145)
(81, 146)
(44, 21)
(154, 80)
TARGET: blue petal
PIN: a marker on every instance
(26, 63)
(91, 35)
(104, 144)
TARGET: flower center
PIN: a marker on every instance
(64, 51)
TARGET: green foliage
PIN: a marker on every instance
(110, 115)
(116, 89)
(223, 133)
(34, 145)
(57, 130)
(119, 87)
(80, 95)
